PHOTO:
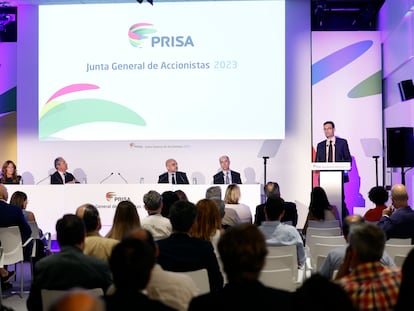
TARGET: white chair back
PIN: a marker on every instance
(200, 278)
(278, 278)
(320, 252)
(284, 251)
(323, 224)
(398, 250)
(398, 241)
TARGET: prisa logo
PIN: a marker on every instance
(139, 33)
(110, 195)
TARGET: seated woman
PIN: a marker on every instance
(9, 173)
(19, 199)
(320, 208)
(378, 195)
(231, 198)
(126, 218)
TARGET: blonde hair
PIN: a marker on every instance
(232, 195)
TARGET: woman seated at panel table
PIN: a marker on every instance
(9, 173)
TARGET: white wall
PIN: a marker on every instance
(95, 160)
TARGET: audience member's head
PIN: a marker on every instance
(319, 293)
(367, 243)
(182, 216)
(168, 199)
(19, 199)
(181, 195)
(146, 236)
(213, 192)
(131, 263)
(78, 300)
(232, 195)
(274, 208)
(319, 202)
(399, 196)
(349, 221)
(208, 220)
(378, 195)
(70, 231)
(272, 189)
(90, 215)
(405, 300)
(152, 202)
(126, 218)
(4, 195)
(243, 251)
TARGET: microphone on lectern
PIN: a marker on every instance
(123, 178)
(43, 179)
(106, 178)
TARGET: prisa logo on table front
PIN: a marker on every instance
(139, 33)
(111, 196)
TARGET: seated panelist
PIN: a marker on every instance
(172, 175)
(62, 176)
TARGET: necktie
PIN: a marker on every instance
(330, 152)
(227, 178)
(173, 179)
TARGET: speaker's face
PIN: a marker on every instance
(329, 130)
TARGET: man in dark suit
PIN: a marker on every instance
(226, 176)
(172, 176)
(180, 252)
(68, 268)
(272, 190)
(243, 252)
(340, 149)
(61, 176)
(397, 221)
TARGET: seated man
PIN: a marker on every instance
(243, 252)
(68, 268)
(336, 256)
(62, 176)
(158, 225)
(277, 233)
(226, 175)
(180, 252)
(95, 244)
(272, 189)
(131, 264)
(172, 176)
(369, 284)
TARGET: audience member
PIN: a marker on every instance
(180, 252)
(131, 264)
(277, 233)
(405, 300)
(126, 218)
(369, 284)
(172, 176)
(78, 300)
(174, 289)
(319, 293)
(9, 173)
(213, 192)
(272, 189)
(336, 256)
(168, 199)
(226, 175)
(320, 208)
(68, 268)
(231, 198)
(19, 199)
(181, 195)
(207, 225)
(243, 252)
(379, 196)
(95, 244)
(158, 225)
(62, 176)
(397, 220)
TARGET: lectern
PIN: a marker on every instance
(331, 179)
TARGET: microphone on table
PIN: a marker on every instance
(106, 178)
(123, 178)
(43, 179)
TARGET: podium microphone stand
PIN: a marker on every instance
(376, 168)
(264, 167)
